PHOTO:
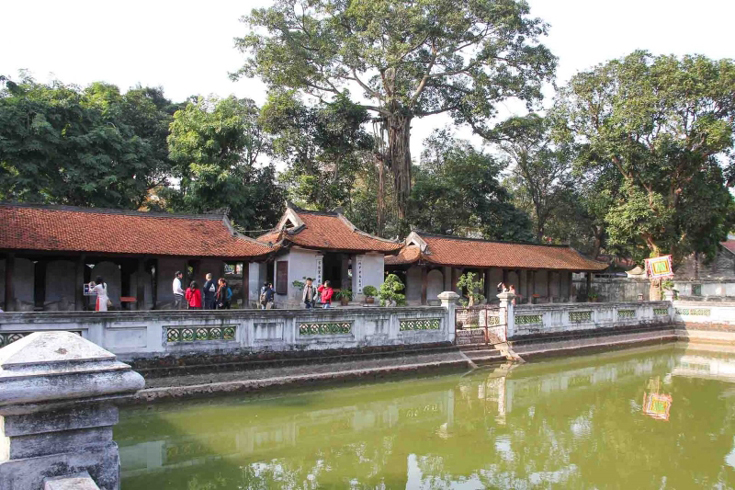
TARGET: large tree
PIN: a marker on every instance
(409, 58)
(458, 192)
(60, 144)
(664, 124)
(216, 145)
(324, 147)
(540, 169)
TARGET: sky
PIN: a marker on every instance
(187, 47)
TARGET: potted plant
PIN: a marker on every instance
(370, 293)
(389, 293)
(593, 297)
(344, 296)
(473, 287)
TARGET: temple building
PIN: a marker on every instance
(429, 264)
(322, 246)
(48, 254)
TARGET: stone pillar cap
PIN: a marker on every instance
(448, 296)
(51, 366)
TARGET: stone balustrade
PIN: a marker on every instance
(533, 320)
(135, 334)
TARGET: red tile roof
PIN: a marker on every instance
(326, 231)
(730, 245)
(467, 252)
(122, 232)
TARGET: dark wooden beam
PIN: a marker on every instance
(9, 273)
(39, 283)
(424, 283)
(245, 285)
(79, 283)
(140, 284)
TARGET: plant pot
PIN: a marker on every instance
(344, 301)
(369, 300)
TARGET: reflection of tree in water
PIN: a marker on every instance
(573, 424)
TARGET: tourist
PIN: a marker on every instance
(267, 296)
(222, 300)
(512, 290)
(326, 292)
(99, 287)
(210, 290)
(309, 294)
(178, 291)
(194, 296)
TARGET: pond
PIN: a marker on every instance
(661, 417)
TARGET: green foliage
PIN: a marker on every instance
(410, 59)
(390, 291)
(370, 291)
(298, 284)
(325, 148)
(60, 144)
(663, 125)
(457, 192)
(473, 287)
(216, 144)
(344, 294)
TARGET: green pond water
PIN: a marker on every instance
(654, 418)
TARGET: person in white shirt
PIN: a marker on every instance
(99, 287)
(178, 291)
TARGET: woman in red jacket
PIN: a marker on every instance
(194, 296)
(327, 292)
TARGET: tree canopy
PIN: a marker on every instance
(664, 124)
(215, 144)
(408, 58)
(60, 144)
(458, 192)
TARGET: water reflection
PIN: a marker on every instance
(575, 423)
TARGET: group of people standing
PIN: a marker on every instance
(212, 296)
(309, 295)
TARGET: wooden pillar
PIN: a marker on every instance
(533, 285)
(245, 285)
(520, 273)
(488, 287)
(548, 285)
(140, 284)
(424, 283)
(505, 277)
(589, 283)
(155, 277)
(9, 273)
(79, 283)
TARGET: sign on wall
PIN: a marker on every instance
(659, 267)
(359, 274)
(319, 265)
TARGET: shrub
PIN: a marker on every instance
(370, 291)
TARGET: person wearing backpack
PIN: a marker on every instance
(210, 291)
(267, 295)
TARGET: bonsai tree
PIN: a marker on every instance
(370, 291)
(467, 281)
(390, 291)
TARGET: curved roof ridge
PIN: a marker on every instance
(113, 211)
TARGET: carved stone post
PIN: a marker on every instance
(507, 311)
(449, 303)
(57, 394)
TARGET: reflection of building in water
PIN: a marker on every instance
(699, 365)
(275, 437)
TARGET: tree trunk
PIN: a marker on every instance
(399, 150)
(381, 194)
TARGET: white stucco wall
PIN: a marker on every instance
(302, 263)
(256, 278)
(367, 270)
